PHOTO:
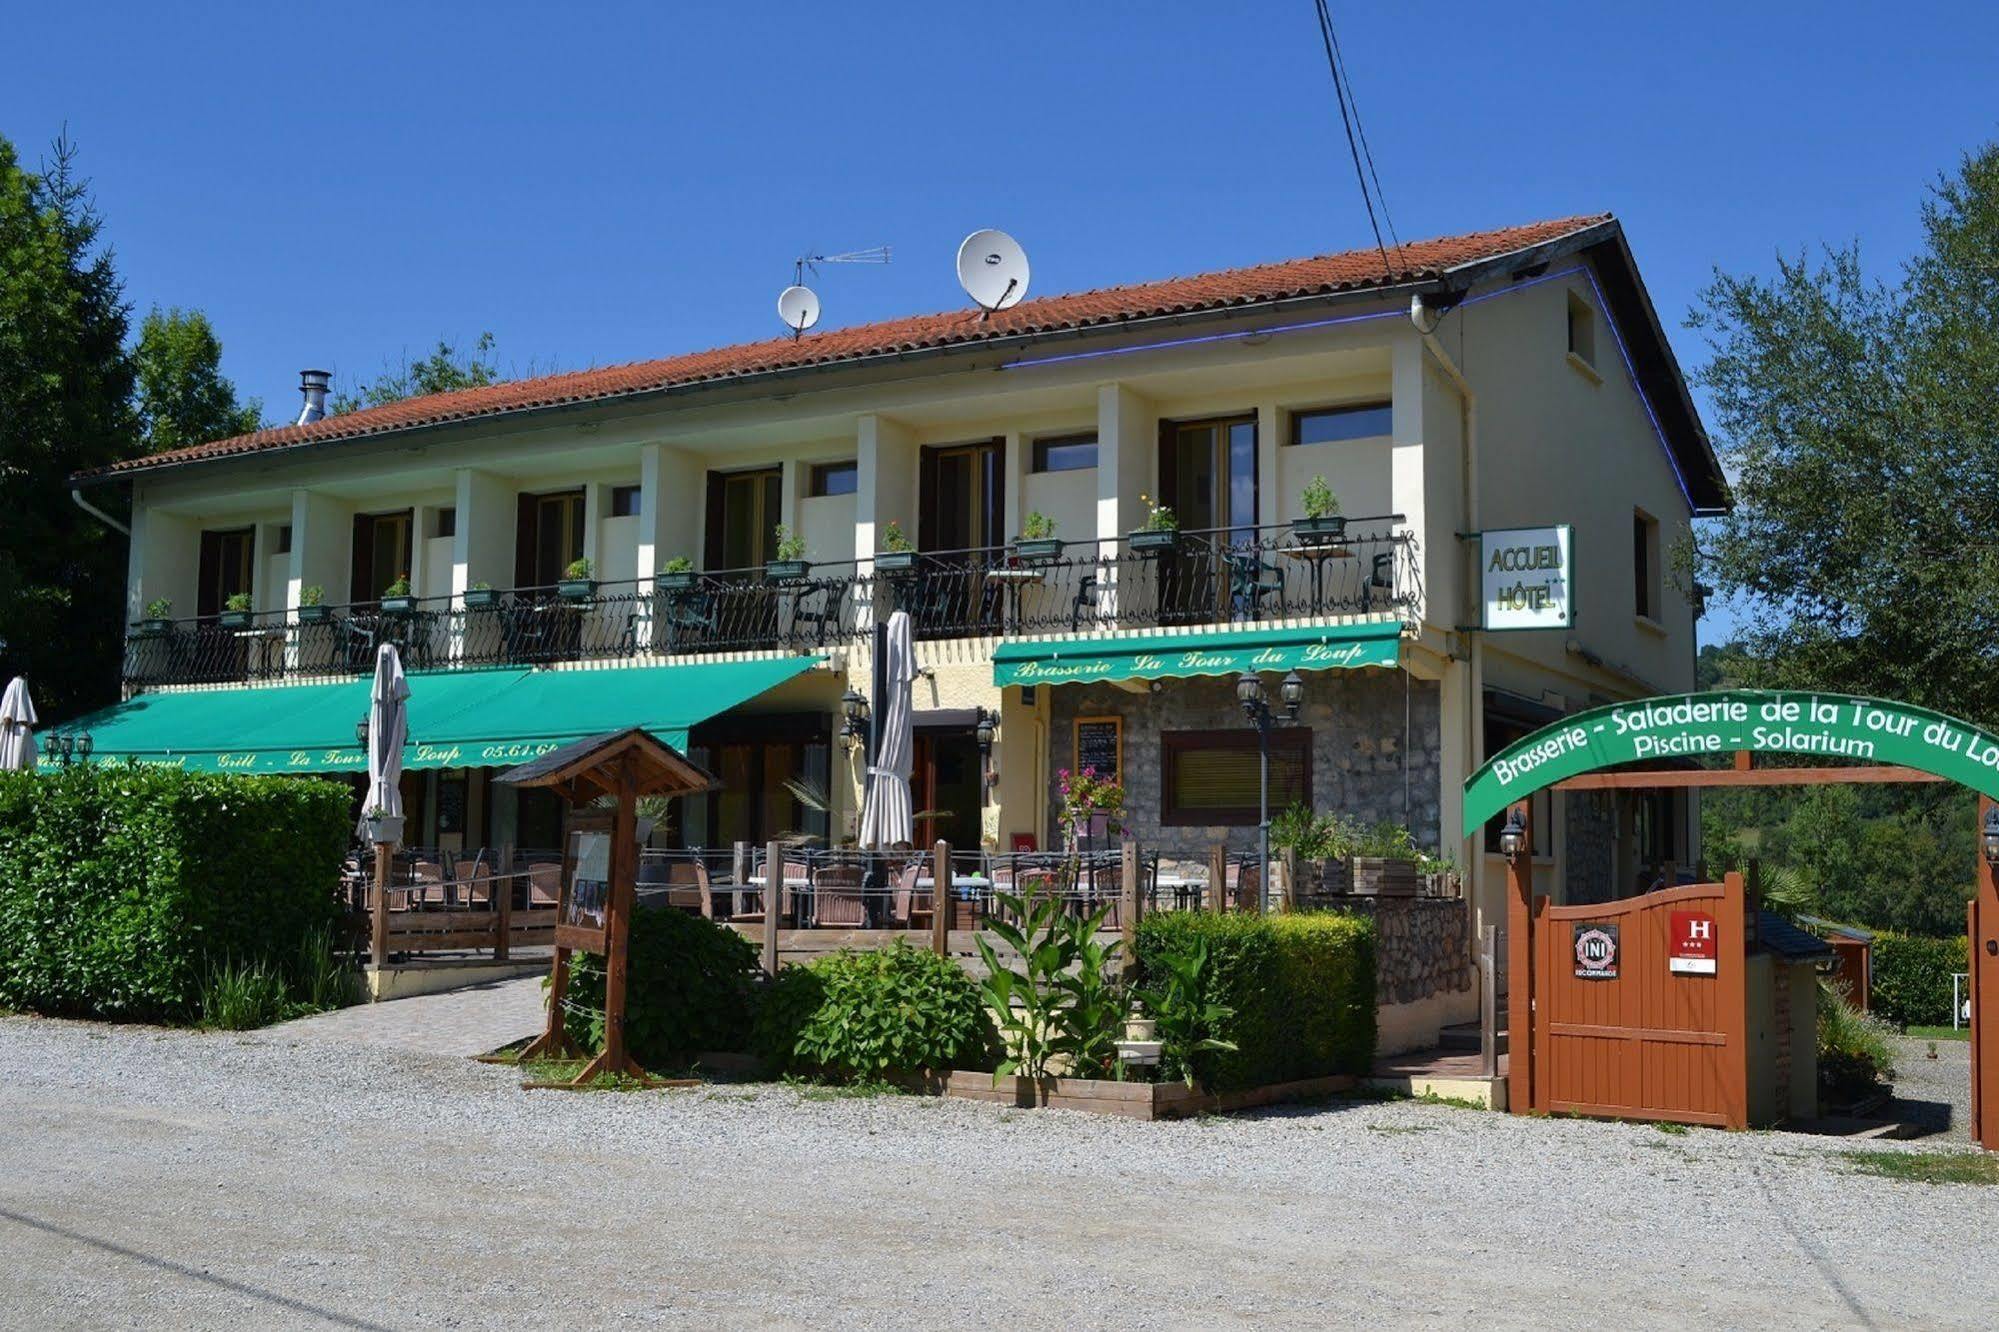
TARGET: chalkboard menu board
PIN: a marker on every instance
(1100, 746)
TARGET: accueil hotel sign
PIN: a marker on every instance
(1524, 573)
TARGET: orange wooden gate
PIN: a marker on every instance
(1982, 933)
(1624, 1030)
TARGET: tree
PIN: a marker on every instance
(183, 397)
(1857, 417)
(66, 385)
(445, 370)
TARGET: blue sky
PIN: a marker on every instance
(597, 184)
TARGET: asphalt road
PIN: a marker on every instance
(175, 1179)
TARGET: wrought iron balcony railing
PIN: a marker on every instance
(1192, 579)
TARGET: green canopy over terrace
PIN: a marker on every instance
(457, 719)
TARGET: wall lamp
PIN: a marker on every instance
(854, 718)
(1513, 837)
(66, 747)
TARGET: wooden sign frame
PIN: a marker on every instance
(572, 935)
(1076, 744)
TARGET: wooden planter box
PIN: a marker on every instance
(234, 619)
(1153, 543)
(680, 580)
(314, 614)
(155, 628)
(481, 598)
(1335, 876)
(1374, 876)
(1131, 1100)
(576, 589)
(895, 561)
(399, 605)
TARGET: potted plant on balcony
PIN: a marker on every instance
(159, 617)
(790, 565)
(396, 596)
(577, 582)
(898, 552)
(1322, 524)
(312, 607)
(384, 827)
(236, 611)
(1037, 542)
(677, 575)
(481, 596)
(1161, 532)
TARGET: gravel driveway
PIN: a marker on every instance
(176, 1179)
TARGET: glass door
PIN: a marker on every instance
(1208, 478)
(963, 504)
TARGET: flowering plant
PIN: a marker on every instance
(1086, 796)
(1158, 517)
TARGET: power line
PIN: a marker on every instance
(1357, 146)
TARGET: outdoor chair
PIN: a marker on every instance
(688, 888)
(1380, 584)
(904, 909)
(544, 884)
(429, 876)
(1086, 599)
(1252, 580)
(689, 618)
(473, 879)
(837, 902)
(354, 642)
(817, 608)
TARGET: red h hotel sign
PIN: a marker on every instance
(1693, 938)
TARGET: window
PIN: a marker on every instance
(624, 501)
(1211, 777)
(1582, 330)
(1656, 824)
(744, 509)
(1503, 728)
(381, 553)
(835, 478)
(447, 522)
(226, 557)
(1065, 453)
(1645, 564)
(1333, 425)
(548, 537)
(284, 539)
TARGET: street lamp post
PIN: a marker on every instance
(1256, 707)
(66, 747)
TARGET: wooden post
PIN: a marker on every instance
(378, 924)
(1218, 877)
(1289, 860)
(1520, 967)
(1488, 1001)
(774, 896)
(1130, 904)
(941, 898)
(739, 875)
(503, 902)
(624, 877)
(1983, 966)
(1733, 1006)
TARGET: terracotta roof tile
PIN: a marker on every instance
(1325, 274)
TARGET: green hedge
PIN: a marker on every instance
(692, 987)
(859, 1016)
(120, 886)
(1301, 987)
(1911, 981)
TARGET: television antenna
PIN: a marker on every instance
(798, 304)
(992, 268)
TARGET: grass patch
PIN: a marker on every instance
(565, 1070)
(1939, 1033)
(238, 996)
(843, 1091)
(1674, 1130)
(1927, 1167)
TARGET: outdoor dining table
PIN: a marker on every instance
(1014, 580)
(1317, 556)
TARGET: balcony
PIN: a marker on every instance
(1236, 577)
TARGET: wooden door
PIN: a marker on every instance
(1620, 1030)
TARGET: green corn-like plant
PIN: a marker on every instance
(1061, 1003)
(1182, 1015)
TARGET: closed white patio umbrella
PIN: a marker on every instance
(388, 729)
(17, 728)
(886, 821)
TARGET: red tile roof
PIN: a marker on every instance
(1352, 270)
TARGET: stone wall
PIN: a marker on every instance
(1367, 760)
(1590, 846)
(1422, 946)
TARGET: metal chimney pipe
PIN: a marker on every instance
(312, 383)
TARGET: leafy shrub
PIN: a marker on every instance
(1299, 990)
(861, 1016)
(691, 987)
(1854, 1051)
(122, 888)
(1911, 981)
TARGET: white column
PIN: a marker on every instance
(1013, 466)
(482, 548)
(884, 491)
(1407, 487)
(322, 545)
(1270, 497)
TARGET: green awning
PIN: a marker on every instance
(1216, 652)
(457, 718)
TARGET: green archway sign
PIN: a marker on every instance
(1860, 730)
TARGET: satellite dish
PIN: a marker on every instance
(992, 268)
(798, 307)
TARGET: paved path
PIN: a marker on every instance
(475, 1020)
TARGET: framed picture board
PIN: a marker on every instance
(583, 916)
(1098, 743)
